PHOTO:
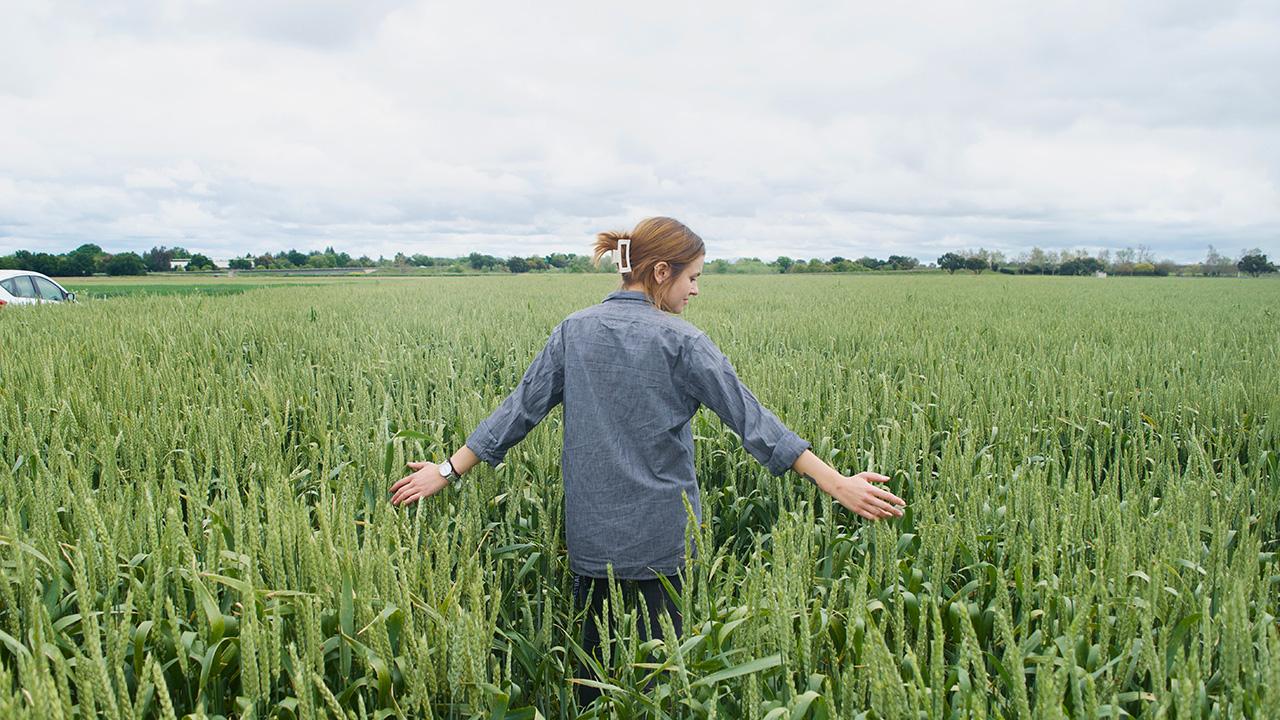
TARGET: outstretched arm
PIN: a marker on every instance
(541, 389)
(709, 378)
(855, 492)
(713, 381)
(425, 480)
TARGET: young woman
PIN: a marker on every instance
(631, 375)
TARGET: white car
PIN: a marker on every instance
(23, 287)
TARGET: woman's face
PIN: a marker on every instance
(678, 289)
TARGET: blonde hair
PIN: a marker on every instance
(653, 240)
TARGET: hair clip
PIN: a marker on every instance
(624, 255)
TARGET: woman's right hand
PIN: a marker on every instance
(859, 495)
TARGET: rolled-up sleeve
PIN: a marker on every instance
(541, 389)
(710, 379)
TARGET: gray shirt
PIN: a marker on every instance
(631, 377)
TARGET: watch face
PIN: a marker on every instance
(446, 469)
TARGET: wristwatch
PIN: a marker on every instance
(448, 473)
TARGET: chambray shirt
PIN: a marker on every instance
(631, 378)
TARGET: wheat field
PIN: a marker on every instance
(194, 517)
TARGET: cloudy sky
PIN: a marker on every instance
(805, 129)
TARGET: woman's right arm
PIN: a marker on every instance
(426, 480)
(541, 389)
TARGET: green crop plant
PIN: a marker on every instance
(194, 518)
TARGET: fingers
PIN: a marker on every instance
(407, 494)
(407, 478)
(888, 496)
(402, 489)
(874, 477)
(886, 510)
(872, 511)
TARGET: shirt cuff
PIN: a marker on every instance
(786, 452)
(480, 443)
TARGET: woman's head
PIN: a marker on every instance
(665, 257)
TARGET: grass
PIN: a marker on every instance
(195, 519)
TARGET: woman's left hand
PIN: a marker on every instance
(424, 482)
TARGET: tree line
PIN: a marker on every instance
(89, 259)
(1128, 261)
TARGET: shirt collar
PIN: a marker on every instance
(628, 295)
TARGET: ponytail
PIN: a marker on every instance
(608, 242)
(654, 240)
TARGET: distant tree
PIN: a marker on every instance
(517, 265)
(902, 262)
(1038, 262)
(325, 260)
(83, 261)
(77, 264)
(45, 263)
(1144, 268)
(783, 263)
(1124, 261)
(1081, 266)
(477, 261)
(1255, 263)
(951, 262)
(1215, 264)
(976, 264)
(871, 263)
(364, 261)
(158, 259)
(558, 260)
(244, 263)
(200, 262)
(16, 261)
(126, 263)
(295, 258)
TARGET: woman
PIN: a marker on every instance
(631, 375)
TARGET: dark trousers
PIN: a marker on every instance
(589, 593)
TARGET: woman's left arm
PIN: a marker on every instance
(712, 381)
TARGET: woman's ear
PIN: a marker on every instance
(661, 271)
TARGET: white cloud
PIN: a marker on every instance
(822, 129)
